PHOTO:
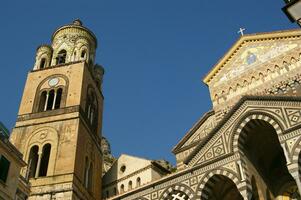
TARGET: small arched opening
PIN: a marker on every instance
(33, 161)
(130, 186)
(45, 160)
(90, 177)
(42, 102)
(122, 188)
(138, 182)
(83, 54)
(50, 100)
(58, 98)
(86, 172)
(43, 63)
(61, 57)
(92, 109)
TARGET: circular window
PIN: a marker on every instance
(53, 82)
(122, 168)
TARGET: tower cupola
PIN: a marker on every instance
(69, 43)
(73, 42)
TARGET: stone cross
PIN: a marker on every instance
(178, 197)
(241, 31)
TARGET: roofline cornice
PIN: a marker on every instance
(246, 38)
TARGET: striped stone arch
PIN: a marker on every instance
(295, 165)
(205, 186)
(178, 187)
(239, 137)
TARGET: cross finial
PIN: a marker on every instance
(241, 31)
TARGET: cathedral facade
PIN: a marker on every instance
(247, 147)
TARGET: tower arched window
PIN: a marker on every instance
(33, 161)
(50, 99)
(58, 99)
(83, 54)
(43, 63)
(61, 57)
(92, 109)
(42, 102)
(45, 160)
(90, 177)
(86, 173)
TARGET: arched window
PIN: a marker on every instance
(83, 54)
(92, 109)
(61, 57)
(115, 191)
(122, 188)
(42, 63)
(42, 102)
(130, 186)
(50, 100)
(90, 177)
(107, 194)
(33, 161)
(86, 173)
(58, 98)
(45, 160)
(138, 182)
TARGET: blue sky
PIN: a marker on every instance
(155, 53)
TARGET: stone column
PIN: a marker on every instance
(54, 99)
(297, 179)
(46, 101)
(242, 175)
(40, 154)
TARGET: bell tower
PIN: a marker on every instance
(58, 128)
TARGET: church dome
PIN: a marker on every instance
(75, 27)
(73, 42)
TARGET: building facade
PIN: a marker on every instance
(58, 128)
(130, 172)
(12, 185)
(248, 146)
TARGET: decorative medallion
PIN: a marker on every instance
(53, 82)
(43, 135)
